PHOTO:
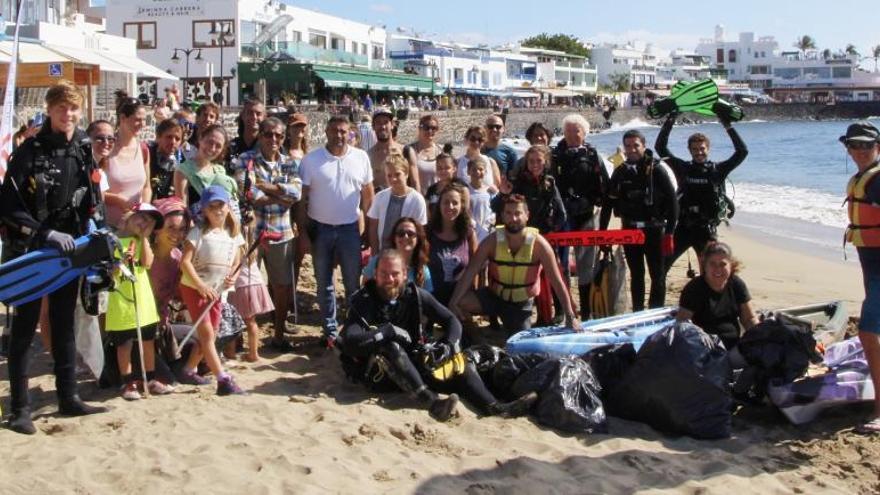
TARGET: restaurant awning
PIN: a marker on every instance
(344, 77)
(31, 53)
(560, 92)
(91, 57)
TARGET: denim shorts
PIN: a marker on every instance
(870, 317)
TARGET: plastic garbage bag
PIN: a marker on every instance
(484, 357)
(774, 350)
(846, 354)
(610, 364)
(508, 369)
(87, 332)
(679, 384)
(568, 395)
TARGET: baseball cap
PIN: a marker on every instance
(383, 111)
(169, 205)
(214, 193)
(861, 131)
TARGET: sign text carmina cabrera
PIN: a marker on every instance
(169, 9)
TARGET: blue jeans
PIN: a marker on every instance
(329, 244)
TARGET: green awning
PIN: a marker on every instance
(343, 77)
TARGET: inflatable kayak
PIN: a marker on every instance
(826, 320)
(628, 328)
(802, 400)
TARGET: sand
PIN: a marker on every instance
(305, 429)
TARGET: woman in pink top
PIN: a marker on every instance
(128, 167)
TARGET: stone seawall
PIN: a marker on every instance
(454, 123)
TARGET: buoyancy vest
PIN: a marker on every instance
(515, 277)
(864, 216)
(579, 176)
(703, 198)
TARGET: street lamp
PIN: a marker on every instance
(223, 37)
(176, 58)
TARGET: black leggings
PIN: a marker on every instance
(61, 306)
(636, 256)
(687, 237)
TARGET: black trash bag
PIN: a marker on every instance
(508, 369)
(679, 384)
(610, 364)
(484, 357)
(568, 395)
(774, 350)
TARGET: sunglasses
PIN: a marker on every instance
(277, 135)
(433, 128)
(409, 234)
(860, 145)
(105, 139)
(494, 127)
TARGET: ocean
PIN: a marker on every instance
(790, 188)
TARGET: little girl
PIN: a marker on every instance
(446, 171)
(251, 298)
(211, 253)
(480, 199)
(127, 308)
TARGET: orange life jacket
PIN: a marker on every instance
(864, 216)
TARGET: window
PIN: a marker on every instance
(297, 36)
(143, 32)
(363, 49)
(337, 43)
(731, 56)
(378, 52)
(719, 56)
(841, 72)
(205, 33)
(318, 40)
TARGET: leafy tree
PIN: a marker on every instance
(619, 82)
(561, 42)
(805, 42)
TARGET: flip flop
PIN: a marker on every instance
(870, 428)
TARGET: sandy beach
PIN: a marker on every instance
(305, 429)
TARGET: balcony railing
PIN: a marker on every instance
(304, 52)
(521, 77)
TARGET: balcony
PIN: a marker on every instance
(304, 52)
(521, 76)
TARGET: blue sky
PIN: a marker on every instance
(669, 24)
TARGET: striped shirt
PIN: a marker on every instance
(271, 217)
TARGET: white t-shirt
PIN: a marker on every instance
(413, 206)
(213, 257)
(335, 184)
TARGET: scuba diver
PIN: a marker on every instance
(383, 342)
(47, 200)
(703, 204)
(642, 194)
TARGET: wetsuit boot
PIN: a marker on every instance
(74, 406)
(516, 408)
(584, 297)
(404, 374)
(443, 409)
(20, 421)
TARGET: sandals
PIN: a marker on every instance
(872, 427)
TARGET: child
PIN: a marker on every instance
(480, 199)
(210, 254)
(447, 171)
(125, 310)
(251, 298)
(165, 271)
(394, 202)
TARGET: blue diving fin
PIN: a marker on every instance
(41, 272)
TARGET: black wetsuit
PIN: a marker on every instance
(642, 195)
(162, 171)
(357, 342)
(65, 203)
(701, 193)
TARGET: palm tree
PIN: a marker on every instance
(619, 82)
(851, 50)
(826, 53)
(876, 52)
(804, 43)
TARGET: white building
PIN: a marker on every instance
(560, 73)
(683, 66)
(210, 37)
(465, 69)
(745, 60)
(639, 64)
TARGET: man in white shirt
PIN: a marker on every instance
(337, 181)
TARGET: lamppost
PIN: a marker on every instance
(176, 58)
(223, 37)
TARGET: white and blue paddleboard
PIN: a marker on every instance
(633, 328)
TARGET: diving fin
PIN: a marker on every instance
(46, 270)
(685, 97)
(732, 111)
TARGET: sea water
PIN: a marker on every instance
(790, 187)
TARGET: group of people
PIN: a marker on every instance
(424, 240)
